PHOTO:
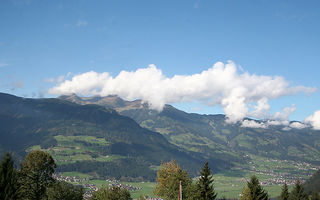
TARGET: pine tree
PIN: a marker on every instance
(8, 179)
(285, 192)
(36, 175)
(256, 191)
(298, 192)
(205, 184)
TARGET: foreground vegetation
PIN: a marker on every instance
(35, 180)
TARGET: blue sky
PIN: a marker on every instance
(43, 40)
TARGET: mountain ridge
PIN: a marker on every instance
(52, 123)
(212, 136)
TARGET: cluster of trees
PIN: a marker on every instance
(170, 175)
(297, 193)
(34, 180)
(129, 169)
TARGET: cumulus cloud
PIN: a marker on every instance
(298, 125)
(287, 125)
(286, 112)
(253, 124)
(314, 120)
(277, 122)
(221, 84)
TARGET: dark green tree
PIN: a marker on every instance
(8, 179)
(284, 192)
(315, 195)
(36, 175)
(112, 193)
(64, 191)
(205, 184)
(256, 190)
(298, 192)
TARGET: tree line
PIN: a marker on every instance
(34, 181)
(170, 175)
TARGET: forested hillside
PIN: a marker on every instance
(212, 136)
(90, 138)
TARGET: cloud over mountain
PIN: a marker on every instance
(314, 120)
(239, 93)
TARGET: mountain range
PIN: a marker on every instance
(111, 137)
(212, 136)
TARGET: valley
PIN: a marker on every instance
(229, 183)
(91, 143)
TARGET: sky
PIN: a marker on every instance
(257, 58)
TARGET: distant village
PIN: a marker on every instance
(90, 188)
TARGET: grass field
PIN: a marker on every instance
(229, 183)
(70, 149)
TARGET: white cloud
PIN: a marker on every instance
(286, 128)
(314, 120)
(286, 112)
(298, 125)
(221, 84)
(261, 109)
(277, 122)
(253, 124)
(82, 23)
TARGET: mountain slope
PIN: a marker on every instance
(93, 135)
(211, 136)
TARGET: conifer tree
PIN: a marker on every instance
(36, 175)
(8, 179)
(284, 192)
(298, 192)
(256, 191)
(205, 184)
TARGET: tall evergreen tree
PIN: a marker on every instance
(8, 179)
(284, 192)
(36, 175)
(298, 192)
(256, 191)
(205, 184)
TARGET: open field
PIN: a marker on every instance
(272, 173)
(70, 149)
